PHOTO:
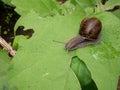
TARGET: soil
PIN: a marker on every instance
(8, 18)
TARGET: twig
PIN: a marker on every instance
(7, 47)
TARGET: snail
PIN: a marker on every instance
(89, 33)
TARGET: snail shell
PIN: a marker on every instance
(89, 33)
(90, 28)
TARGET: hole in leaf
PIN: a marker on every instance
(83, 74)
(28, 32)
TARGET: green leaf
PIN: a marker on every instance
(4, 64)
(83, 74)
(34, 66)
(81, 71)
(43, 7)
(103, 59)
(8, 2)
(117, 13)
(67, 8)
(43, 64)
(86, 3)
(111, 3)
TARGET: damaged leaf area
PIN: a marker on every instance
(42, 64)
(20, 31)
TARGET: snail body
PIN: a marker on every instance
(89, 33)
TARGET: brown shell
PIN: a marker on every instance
(90, 28)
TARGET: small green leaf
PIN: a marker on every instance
(81, 71)
(111, 3)
(86, 3)
(8, 2)
(83, 74)
(42, 7)
(34, 66)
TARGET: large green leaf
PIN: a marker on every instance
(40, 61)
(43, 64)
(35, 66)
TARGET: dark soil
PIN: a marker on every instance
(8, 18)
